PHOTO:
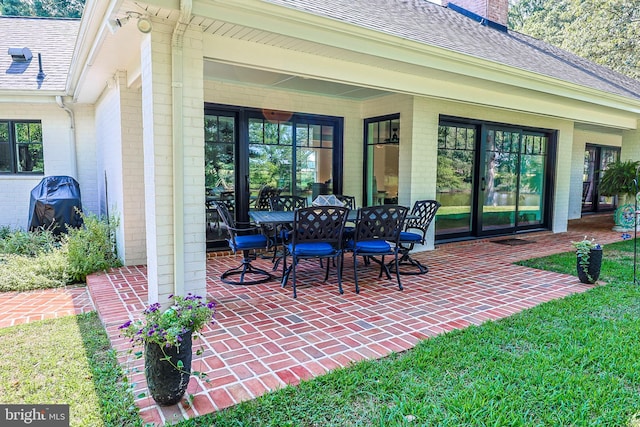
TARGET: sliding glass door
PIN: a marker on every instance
(248, 150)
(491, 179)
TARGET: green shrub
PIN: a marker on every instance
(91, 247)
(23, 273)
(19, 242)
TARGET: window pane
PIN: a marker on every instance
(210, 128)
(35, 132)
(4, 132)
(256, 131)
(303, 134)
(30, 158)
(5, 157)
(286, 133)
(327, 136)
(22, 132)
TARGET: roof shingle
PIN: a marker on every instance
(425, 22)
(53, 38)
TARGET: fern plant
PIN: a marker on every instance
(91, 247)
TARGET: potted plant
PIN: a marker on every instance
(619, 179)
(166, 337)
(589, 260)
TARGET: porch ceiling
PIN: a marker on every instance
(214, 70)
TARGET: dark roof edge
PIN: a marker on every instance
(482, 20)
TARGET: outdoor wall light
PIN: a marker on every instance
(144, 24)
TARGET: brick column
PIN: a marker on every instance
(175, 231)
(162, 131)
(158, 165)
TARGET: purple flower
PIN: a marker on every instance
(152, 308)
(125, 325)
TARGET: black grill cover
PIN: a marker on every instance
(55, 200)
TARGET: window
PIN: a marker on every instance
(21, 147)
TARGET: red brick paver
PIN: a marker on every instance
(23, 307)
(263, 339)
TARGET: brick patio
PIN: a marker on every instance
(263, 339)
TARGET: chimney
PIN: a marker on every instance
(494, 10)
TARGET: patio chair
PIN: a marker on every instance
(415, 232)
(280, 234)
(377, 234)
(266, 192)
(347, 201)
(287, 203)
(244, 237)
(317, 233)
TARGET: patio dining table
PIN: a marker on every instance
(286, 217)
(276, 218)
(283, 217)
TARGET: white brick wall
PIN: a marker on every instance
(631, 144)
(133, 224)
(120, 167)
(56, 133)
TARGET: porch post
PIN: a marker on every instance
(188, 152)
(173, 141)
(631, 144)
(158, 164)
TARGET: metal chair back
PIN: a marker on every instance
(287, 203)
(348, 201)
(422, 214)
(382, 222)
(264, 194)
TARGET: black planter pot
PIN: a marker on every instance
(593, 268)
(167, 383)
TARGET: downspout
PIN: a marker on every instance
(177, 63)
(72, 137)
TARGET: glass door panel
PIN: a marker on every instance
(499, 183)
(454, 186)
(533, 157)
(270, 156)
(382, 156)
(589, 178)
(220, 139)
(314, 160)
(607, 155)
(596, 160)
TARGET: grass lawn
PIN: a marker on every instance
(573, 361)
(66, 361)
(570, 362)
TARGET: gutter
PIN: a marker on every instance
(177, 83)
(72, 137)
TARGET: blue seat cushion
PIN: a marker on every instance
(312, 249)
(370, 246)
(406, 236)
(252, 241)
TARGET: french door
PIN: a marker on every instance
(492, 179)
(248, 149)
(596, 160)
